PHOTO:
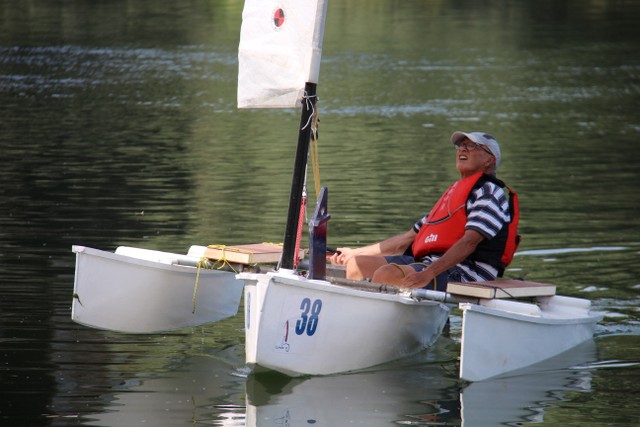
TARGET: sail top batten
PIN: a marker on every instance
(280, 51)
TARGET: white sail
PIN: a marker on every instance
(280, 50)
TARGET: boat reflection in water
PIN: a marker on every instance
(202, 389)
(366, 398)
(524, 395)
(191, 390)
(426, 395)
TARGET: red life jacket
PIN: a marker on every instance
(446, 225)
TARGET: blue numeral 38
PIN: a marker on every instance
(308, 320)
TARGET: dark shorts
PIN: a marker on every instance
(441, 280)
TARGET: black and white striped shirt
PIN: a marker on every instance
(487, 212)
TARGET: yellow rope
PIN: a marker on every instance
(399, 268)
(223, 259)
(195, 288)
(206, 263)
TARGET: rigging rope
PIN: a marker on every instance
(314, 153)
(313, 149)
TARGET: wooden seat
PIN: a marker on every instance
(501, 289)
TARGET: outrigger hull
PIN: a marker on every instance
(297, 326)
(503, 336)
(142, 291)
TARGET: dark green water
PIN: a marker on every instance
(118, 126)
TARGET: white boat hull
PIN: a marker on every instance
(310, 327)
(146, 291)
(504, 336)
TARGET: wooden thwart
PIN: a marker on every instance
(256, 253)
(501, 289)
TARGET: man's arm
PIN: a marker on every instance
(395, 245)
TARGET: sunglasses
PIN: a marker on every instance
(471, 146)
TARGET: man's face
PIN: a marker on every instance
(472, 158)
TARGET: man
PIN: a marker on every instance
(469, 235)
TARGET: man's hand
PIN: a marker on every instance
(342, 256)
(418, 279)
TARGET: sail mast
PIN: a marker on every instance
(279, 54)
(299, 172)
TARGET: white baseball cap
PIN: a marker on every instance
(480, 138)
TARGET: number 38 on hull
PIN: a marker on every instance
(298, 326)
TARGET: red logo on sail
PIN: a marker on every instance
(278, 18)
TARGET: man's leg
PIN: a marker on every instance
(392, 274)
(363, 266)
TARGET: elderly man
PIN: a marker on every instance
(469, 235)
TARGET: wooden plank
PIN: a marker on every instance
(501, 289)
(255, 253)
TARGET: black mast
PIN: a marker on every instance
(299, 172)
